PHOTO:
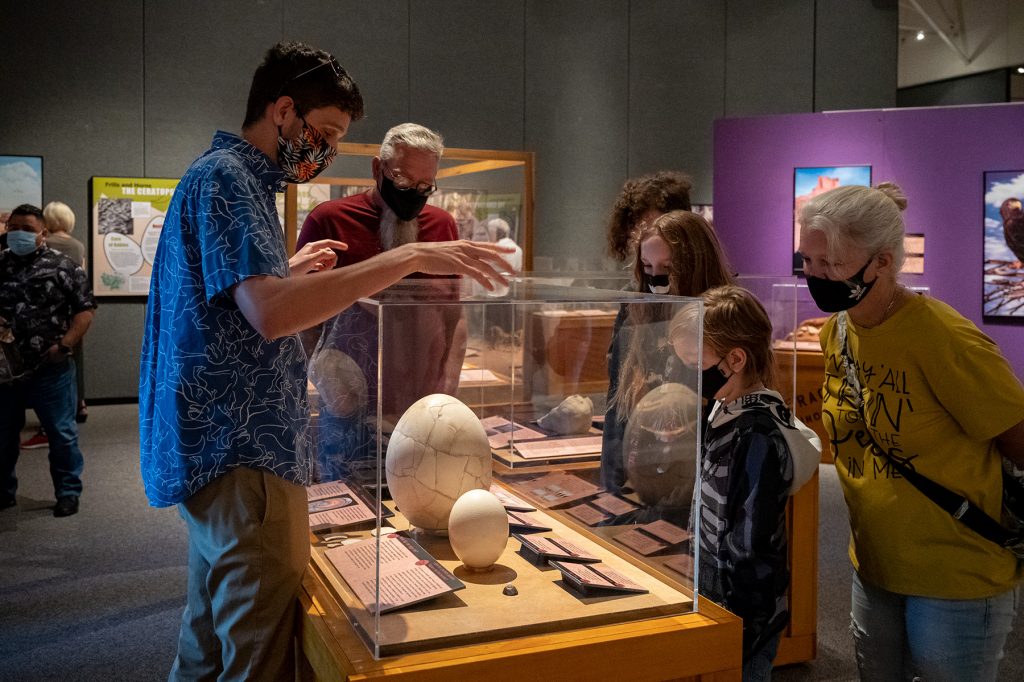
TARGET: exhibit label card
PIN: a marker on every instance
(613, 504)
(667, 532)
(558, 447)
(322, 491)
(525, 521)
(556, 489)
(640, 542)
(501, 431)
(555, 547)
(509, 501)
(587, 514)
(408, 574)
(586, 577)
(336, 505)
(682, 564)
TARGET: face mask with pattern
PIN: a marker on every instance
(306, 156)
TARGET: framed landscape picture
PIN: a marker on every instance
(1003, 287)
(21, 181)
(812, 181)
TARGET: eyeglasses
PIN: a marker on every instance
(424, 189)
(335, 67)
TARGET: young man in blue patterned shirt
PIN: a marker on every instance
(222, 396)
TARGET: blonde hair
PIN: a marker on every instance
(697, 264)
(733, 318)
(59, 217)
(856, 216)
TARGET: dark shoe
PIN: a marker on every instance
(66, 506)
(83, 412)
(7, 501)
(39, 440)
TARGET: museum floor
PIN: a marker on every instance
(98, 596)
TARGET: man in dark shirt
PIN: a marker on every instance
(46, 306)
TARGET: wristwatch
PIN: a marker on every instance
(66, 350)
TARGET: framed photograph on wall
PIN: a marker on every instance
(21, 181)
(812, 181)
(126, 218)
(1003, 288)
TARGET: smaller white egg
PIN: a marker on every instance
(478, 529)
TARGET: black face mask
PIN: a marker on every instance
(406, 203)
(657, 284)
(711, 381)
(832, 296)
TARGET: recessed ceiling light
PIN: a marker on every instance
(1020, 69)
(920, 35)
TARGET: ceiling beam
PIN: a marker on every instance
(939, 32)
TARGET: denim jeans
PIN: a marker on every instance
(759, 667)
(899, 636)
(52, 393)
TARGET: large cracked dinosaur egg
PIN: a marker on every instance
(660, 445)
(340, 382)
(438, 451)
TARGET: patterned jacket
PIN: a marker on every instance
(745, 477)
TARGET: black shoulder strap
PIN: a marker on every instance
(956, 505)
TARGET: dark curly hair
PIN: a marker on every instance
(663, 191)
(312, 78)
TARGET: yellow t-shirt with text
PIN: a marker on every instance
(936, 392)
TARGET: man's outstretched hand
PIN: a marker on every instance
(316, 257)
(480, 260)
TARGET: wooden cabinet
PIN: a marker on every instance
(810, 375)
(701, 646)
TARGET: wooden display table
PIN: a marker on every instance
(800, 639)
(701, 646)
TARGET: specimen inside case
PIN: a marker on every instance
(432, 390)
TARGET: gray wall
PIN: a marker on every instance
(982, 88)
(601, 90)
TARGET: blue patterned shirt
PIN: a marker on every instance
(213, 393)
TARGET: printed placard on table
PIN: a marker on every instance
(127, 217)
(600, 577)
(557, 489)
(334, 505)
(542, 547)
(408, 573)
(587, 514)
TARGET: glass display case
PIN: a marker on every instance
(464, 494)
(489, 193)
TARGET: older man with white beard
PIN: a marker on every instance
(395, 210)
(423, 347)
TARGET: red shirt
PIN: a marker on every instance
(355, 220)
(419, 341)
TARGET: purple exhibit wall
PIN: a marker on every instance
(937, 155)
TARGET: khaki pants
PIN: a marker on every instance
(248, 548)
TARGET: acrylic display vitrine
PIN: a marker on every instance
(434, 387)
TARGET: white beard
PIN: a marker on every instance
(395, 232)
